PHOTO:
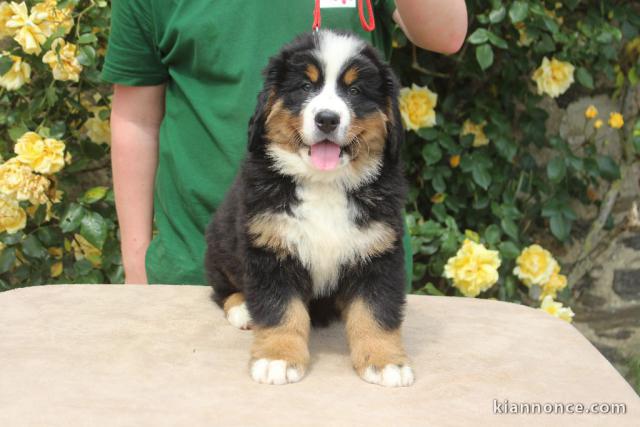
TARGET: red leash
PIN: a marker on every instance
(368, 25)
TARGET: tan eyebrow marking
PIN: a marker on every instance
(350, 76)
(313, 73)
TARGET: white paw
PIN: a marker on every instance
(389, 376)
(267, 371)
(239, 316)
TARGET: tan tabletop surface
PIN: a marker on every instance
(73, 355)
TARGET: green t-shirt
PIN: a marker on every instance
(210, 54)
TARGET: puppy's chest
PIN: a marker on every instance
(323, 234)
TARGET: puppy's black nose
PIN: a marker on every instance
(327, 121)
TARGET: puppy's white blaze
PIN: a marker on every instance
(277, 372)
(333, 53)
(239, 316)
(343, 176)
(389, 376)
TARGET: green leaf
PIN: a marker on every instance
(481, 35)
(518, 11)
(431, 153)
(5, 64)
(32, 247)
(508, 250)
(71, 218)
(430, 289)
(94, 194)
(608, 168)
(497, 15)
(484, 56)
(481, 176)
(87, 56)
(509, 227)
(17, 131)
(428, 133)
(584, 77)
(556, 169)
(560, 227)
(492, 234)
(94, 228)
(7, 259)
(498, 41)
(87, 38)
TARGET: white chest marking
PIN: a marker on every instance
(323, 235)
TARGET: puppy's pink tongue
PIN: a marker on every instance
(325, 155)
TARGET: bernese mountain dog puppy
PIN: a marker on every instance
(312, 226)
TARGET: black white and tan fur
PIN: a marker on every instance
(312, 226)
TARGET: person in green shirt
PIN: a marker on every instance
(186, 74)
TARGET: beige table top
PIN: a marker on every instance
(164, 355)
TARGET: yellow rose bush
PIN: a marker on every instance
(57, 215)
(498, 162)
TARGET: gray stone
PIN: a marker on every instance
(632, 242)
(626, 283)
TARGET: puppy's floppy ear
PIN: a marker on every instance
(395, 131)
(265, 101)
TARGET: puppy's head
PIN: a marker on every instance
(328, 111)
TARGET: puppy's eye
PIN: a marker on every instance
(354, 90)
(307, 87)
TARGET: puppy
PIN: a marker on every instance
(312, 226)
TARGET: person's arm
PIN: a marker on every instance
(136, 114)
(437, 25)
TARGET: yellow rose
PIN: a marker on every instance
(18, 74)
(63, 61)
(557, 282)
(50, 17)
(616, 120)
(12, 217)
(417, 107)
(535, 266)
(598, 124)
(556, 309)
(82, 249)
(454, 161)
(5, 15)
(18, 180)
(591, 112)
(553, 77)
(26, 30)
(43, 155)
(477, 130)
(98, 130)
(473, 269)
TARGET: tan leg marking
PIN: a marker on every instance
(377, 354)
(280, 354)
(235, 310)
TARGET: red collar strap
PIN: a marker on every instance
(368, 24)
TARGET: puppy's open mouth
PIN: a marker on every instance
(325, 155)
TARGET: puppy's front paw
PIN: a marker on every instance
(268, 371)
(390, 376)
(239, 316)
